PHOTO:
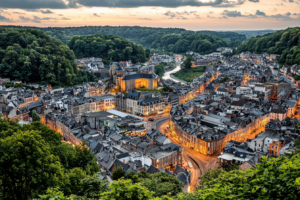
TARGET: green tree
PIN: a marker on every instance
(35, 116)
(187, 64)
(27, 165)
(147, 51)
(163, 184)
(92, 187)
(124, 189)
(118, 173)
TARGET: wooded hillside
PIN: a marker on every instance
(33, 56)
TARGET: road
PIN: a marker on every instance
(200, 162)
(167, 74)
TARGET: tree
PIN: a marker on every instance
(274, 178)
(163, 184)
(27, 166)
(118, 173)
(35, 116)
(187, 64)
(92, 187)
(147, 51)
(124, 189)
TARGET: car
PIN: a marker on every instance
(150, 119)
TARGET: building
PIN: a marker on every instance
(138, 80)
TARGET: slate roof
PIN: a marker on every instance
(138, 76)
(152, 170)
(122, 155)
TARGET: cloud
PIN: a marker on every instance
(156, 3)
(260, 13)
(20, 13)
(27, 19)
(35, 19)
(255, 1)
(180, 15)
(96, 15)
(64, 18)
(224, 17)
(232, 13)
(46, 11)
(145, 18)
(33, 4)
(5, 19)
(286, 17)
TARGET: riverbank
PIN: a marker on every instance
(188, 75)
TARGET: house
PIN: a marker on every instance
(222, 91)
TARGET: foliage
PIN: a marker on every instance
(27, 165)
(219, 62)
(136, 34)
(124, 189)
(159, 183)
(92, 187)
(189, 74)
(160, 69)
(187, 64)
(296, 77)
(32, 55)
(135, 70)
(163, 184)
(224, 79)
(274, 178)
(118, 173)
(107, 47)
(33, 158)
(211, 174)
(228, 166)
(53, 194)
(284, 42)
(19, 85)
(147, 51)
(35, 116)
(297, 143)
(151, 90)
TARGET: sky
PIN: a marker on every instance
(188, 14)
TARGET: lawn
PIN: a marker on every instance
(188, 75)
(147, 90)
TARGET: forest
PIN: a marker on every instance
(134, 33)
(285, 42)
(33, 56)
(107, 47)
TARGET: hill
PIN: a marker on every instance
(32, 55)
(285, 42)
(181, 43)
(108, 47)
(136, 34)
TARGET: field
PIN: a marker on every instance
(189, 74)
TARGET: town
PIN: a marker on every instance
(243, 107)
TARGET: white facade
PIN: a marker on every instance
(243, 90)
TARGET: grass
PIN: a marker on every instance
(149, 90)
(189, 74)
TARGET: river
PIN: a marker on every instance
(167, 74)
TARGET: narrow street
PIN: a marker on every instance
(200, 162)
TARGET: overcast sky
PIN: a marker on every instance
(188, 14)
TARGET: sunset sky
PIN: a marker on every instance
(188, 14)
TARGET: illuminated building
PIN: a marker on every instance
(127, 124)
(138, 80)
(145, 103)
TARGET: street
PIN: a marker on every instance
(200, 162)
